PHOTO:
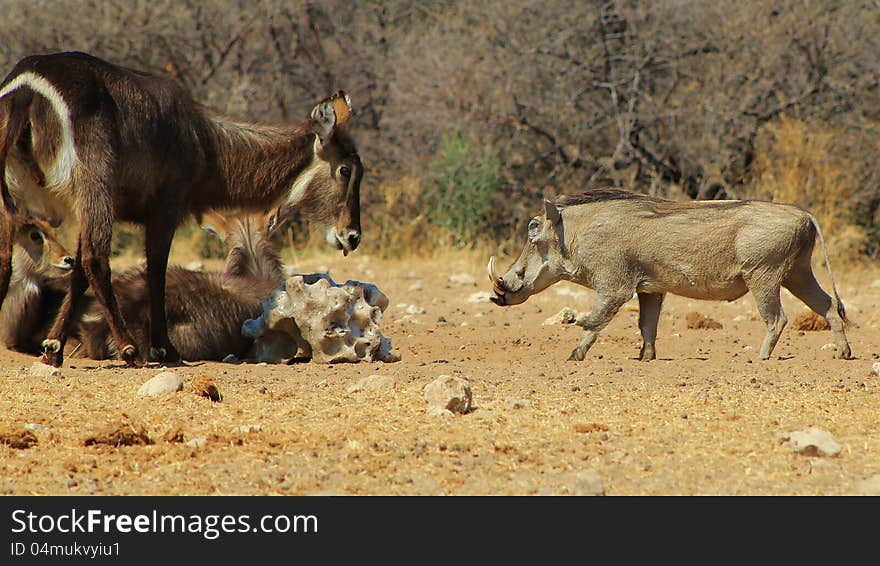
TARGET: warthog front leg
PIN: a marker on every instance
(649, 316)
(603, 311)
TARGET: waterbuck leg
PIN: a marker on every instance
(158, 236)
(603, 311)
(803, 285)
(649, 316)
(53, 345)
(95, 263)
(6, 238)
(770, 308)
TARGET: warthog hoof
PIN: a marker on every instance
(575, 356)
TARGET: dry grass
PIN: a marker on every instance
(801, 163)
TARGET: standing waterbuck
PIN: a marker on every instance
(619, 242)
(113, 144)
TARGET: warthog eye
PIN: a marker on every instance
(345, 171)
(36, 236)
(533, 229)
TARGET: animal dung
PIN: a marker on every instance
(696, 321)
(810, 321)
(18, 439)
(312, 317)
(120, 434)
(204, 385)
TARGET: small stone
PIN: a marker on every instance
(231, 359)
(519, 404)
(451, 394)
(565, 316)
(829, 346)
(32, 426)
(479, 297)
(245, 429)
(164, 383)
(812, 442)
(373, 382)
(197, 442)
(463, 279)
(587, 482)
(39, 369)
(72, 483)
(869, 486)
(875, 368)
(413, 309)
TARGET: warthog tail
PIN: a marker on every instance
(837, 303)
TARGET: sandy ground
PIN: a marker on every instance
(707, 417)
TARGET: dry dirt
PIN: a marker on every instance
(707, 417)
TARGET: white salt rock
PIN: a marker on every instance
(164, 383)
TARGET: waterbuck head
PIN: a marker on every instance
(328, 192)
(540, 264)
(37, 254)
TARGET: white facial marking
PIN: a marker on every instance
(59, 172)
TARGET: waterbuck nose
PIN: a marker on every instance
(68, 260)
(353, 240)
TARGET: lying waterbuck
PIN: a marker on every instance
(38, 261)
(620, 242)
(205, 310)
(111, 144)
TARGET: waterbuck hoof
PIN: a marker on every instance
(575, 357)
(164, 354)
(51, 346)
(844, 354)
(129, 354)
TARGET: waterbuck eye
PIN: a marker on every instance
(344, 171)
(36, 236)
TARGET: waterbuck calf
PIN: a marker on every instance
(113, 144)
(36, 289)
(620, 242)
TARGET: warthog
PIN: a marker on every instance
(619, 242)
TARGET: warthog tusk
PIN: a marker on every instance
(494, 278)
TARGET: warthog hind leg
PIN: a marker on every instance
(603, 311)
(649, 315)
(804, 286)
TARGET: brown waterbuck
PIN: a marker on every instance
(113, 144)
(40, 265)
(622, 243)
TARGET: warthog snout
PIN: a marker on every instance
(499, 287)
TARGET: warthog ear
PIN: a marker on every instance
(552, 212)
(330, 112)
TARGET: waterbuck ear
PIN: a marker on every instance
(330, 112)
(552, 212)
